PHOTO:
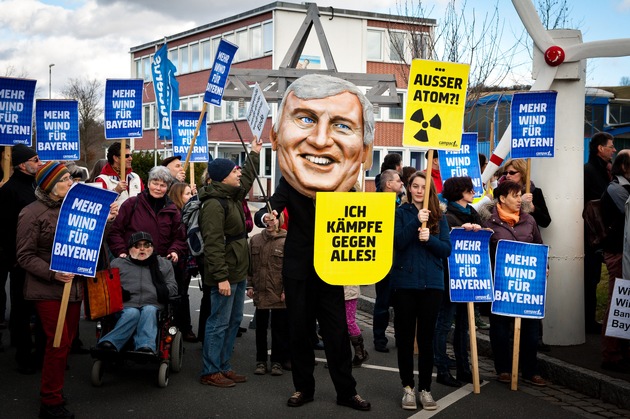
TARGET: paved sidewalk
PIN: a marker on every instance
(577, 383)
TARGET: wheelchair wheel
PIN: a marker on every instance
(177, 352)
(97, 373)
(163, 375)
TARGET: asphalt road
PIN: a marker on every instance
(132, 391)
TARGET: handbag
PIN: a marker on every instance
(103, 292)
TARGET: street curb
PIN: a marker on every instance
(590, 383)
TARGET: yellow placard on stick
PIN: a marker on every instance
(436, 100)
(354, 236)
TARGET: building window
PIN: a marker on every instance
(396, 113)
(195, 103)
(375, 45)
(268, 161)
(257, 42)
(215, 46)
(183, 60)
(195, 65)
(173, 56)
(418, 45)
(217, 114)
(416, 159)
(242, 53)
(138, 69)
(397, 46)
(148, 116)
(267, 37)
(376, 164)
(206, 54)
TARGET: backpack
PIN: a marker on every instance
(596, 231)
(190, 218)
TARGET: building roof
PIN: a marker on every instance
(281, 5)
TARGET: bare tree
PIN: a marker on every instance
(624, 81)
(460, 36)
(554, 14)
(89, 94)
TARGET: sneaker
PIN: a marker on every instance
(53, 412)
(261, 368)
(427, 400)
(276, 369)
(409, 399)
(217, 379)
(237, 378)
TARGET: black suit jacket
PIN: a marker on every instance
(299, 244)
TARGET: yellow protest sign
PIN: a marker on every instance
(436, 100)
(354, 236)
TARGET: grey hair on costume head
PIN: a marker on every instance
(161, 173)
(319, 86)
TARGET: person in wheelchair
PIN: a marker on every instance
(148, 281)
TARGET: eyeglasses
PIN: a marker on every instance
(34, 159)
(512, 172)
(145, 245)
(127, 156)
(610, 146)
(66, 179)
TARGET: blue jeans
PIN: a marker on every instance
(221, 328)
(448, 312)
(141, 323)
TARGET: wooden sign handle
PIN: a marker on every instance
(62, 314)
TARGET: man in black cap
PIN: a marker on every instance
(175, 166)
(18, 192)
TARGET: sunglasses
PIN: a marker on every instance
(512, 172)
(141, 245)
(34, 159)
(127, 156)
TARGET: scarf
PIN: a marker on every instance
(156, 276)
(463, 210)
(508, 216)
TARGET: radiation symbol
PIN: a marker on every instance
(435, 122)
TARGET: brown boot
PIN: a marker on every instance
(360, 354)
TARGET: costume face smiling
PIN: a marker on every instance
(320, 143)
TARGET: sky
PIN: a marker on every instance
(92, 38)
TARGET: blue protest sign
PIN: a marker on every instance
(184, 125)
(166, 89)
(80, 228)
(16, 110)
(123, 109)
(463, 162)
(470, 271)
(533, 124)
(57, 123)
(520, 279)
(219, 73)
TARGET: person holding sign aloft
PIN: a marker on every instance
(417, 283)
(534, 200)
(459, 193)
(509, 221)
(35, 235)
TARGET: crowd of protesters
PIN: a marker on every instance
(146, 219)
